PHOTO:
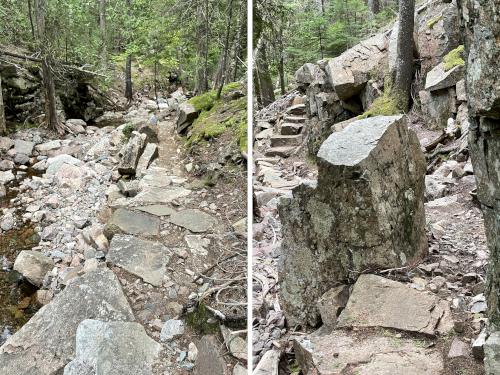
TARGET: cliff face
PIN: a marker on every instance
(482, 33)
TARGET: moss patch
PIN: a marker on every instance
(206, 101)
(199, 320)
(127, 131)
(224, 115)
(385, 105)
(433, 21)
(454, 58)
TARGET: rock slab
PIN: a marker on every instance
(33, 265)
(133, 222)
(112, 348)
(365, 212)
(195, 220)
(45, 344)
(145, 259)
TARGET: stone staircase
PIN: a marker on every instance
(289, 135)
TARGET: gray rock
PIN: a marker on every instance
(438, 78)
(33, 265)
(128, 188)
(438, 106)
(157, 209)
(331, 304)
(337, 229)
(45, 148)
(349, 72)
(150, 153)
(379, 302)
(478, 345)
(483, 92)
(45, 345)
(55, 163)
(492, 354)
(187, 113)
(461, 93)
(76, 121)
(130, 153)
(132, 222)
(6, 177)
(6, 144)
(3, 191)
(171, 330)
(236, 345)
(112, 348)
(458, 349)
(21, 159)
(6, 165)
(153, 195)
(195, 220)
(23, 147)
(269, 363)
(366, 353)
(210, 357)
(307, 74)
(145, 259)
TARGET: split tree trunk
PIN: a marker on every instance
(51, 119)
(3, 125)
(401, 88)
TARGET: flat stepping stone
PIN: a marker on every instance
(282, 151)
(46, 343)
(195, 220)
(145, 259)
(291, 129)
(133, 222)
(296, 119)
(379, 302)
(298, 109)
(160, 195)
(286, 140)
(157, 209)
(366, 353)
(114, 348)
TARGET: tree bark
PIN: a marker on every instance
(401, 87)
(281, 64)
(3, 125)
(265, 81)
(128, 66)
(226, 47)
(51, 119)
(102, 28)
(237, 42)
(374, 6)
(202, 50)
(30, 16)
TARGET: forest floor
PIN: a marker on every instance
(454, 269)
(64, 211)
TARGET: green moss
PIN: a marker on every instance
(433, 21)
(454, 58)
(201, 321)
(385, 105)
(127, 131)
(206, 101)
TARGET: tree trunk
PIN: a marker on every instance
(102, 28)
(202, 47)
(128, 79)
(281, 64)
(30, 16)
(237, 42)
(128, 66)
(374, 6)
(226, 47)
(265, 81)
(3, 125)
(401, 87)
(51, 119)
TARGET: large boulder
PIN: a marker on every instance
(349, 72)
(482, 31)
(187, 113)
(439, 78)
(131, 152)
(365, 212)
(45, 344)
(112, 348)
(438, 106)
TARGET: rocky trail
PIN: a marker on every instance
(117, 255)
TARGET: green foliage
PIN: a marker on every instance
(219, 117)
(385, 105)
(454, 58)
(127, 131)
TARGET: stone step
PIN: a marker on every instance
(282, 151)
(286, 140)
(299, 109)
(295, 119)
(290, 128)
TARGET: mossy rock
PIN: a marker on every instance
(385, 105)
(454, 58)
(433, 21)
(201, 320)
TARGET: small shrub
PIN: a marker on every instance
(127, 131)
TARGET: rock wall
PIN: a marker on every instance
(366, 212)
(482, 30)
